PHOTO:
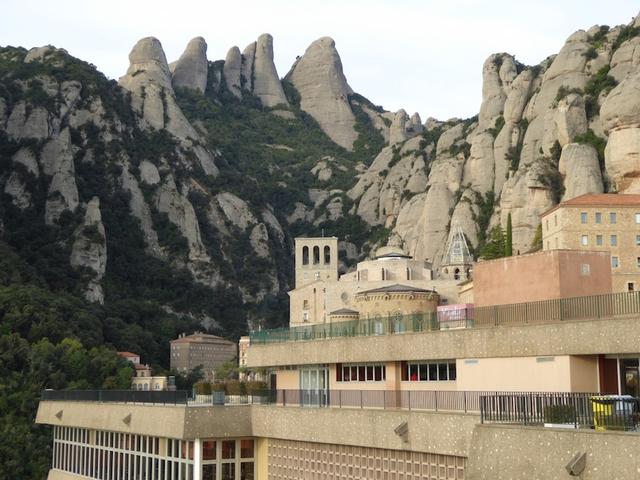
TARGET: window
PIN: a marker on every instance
(305, 255)
(305, 304)
(630, 287)
(547, 222)
(614, 240)
(305, 316)
(361, 373)
(599, 240)
(316, 255)
(612, 217)
(438, 371)
(598, 217)
(637, 217)
(583, 217)
(555, 220)
(637, 240)
(584, 240)
(327, 255)
(614, 262)
(638, 262)
(585, 269)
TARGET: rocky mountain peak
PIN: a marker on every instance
(266, 82)
(324, 92)
(192, 67)
(147, 57)
(232, 71)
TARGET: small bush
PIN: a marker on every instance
(559, 414)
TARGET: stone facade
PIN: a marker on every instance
(605, 222)
(209, 351)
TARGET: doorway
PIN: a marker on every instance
(314, 386)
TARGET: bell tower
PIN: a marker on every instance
(457, 263)
(316, 259)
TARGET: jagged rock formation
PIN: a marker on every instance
(89, 250)
(323, 89)
(620, 114)
(265, 81)
(149, 80)
(232, 71)
(192, 67)
(581, 171)
(151, 154)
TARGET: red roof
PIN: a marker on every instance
(599, 200)
(128, 354)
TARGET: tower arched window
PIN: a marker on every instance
(327, 255)
(305, 255)
(316, 255)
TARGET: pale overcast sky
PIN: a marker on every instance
(423, 56)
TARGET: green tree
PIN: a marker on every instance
(508, 243)
(495, 247)
(536, 243)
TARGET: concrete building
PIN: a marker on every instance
(385, 390)
(200, 349)
(542, 275)
(602, 222)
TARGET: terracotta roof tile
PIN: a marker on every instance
(599, 200)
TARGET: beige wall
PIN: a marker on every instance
(288, 379)
(541, 276)
(538, 374)
(311, 272)
(584, 373)
(386, 304)
(326, 297)
(562, 228)
(504, 452)
(587, 337)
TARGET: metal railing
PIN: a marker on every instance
(546, 311)
(580, 410)
(178, 397)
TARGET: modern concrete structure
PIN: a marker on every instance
(388, 390)
(602, 222)
(543, 275)
(200, 349)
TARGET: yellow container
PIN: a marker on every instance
(602, 408)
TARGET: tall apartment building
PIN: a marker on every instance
(385, 390)
(201, 349)
(601, 222)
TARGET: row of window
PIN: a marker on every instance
(117, 456)
(441, 371)
(361, 373)
(316, 255)
(613, 240)
(613, 217)
(432, 371)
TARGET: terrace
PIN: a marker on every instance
(614, 305)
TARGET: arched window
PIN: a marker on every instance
(384, 275)
(305, 255)
(327, 255)
(408, 274)
(316, 255)
(456, 274)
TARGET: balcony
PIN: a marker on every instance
(548, 311)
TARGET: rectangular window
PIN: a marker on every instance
(638, 218)
(583, 217)
(598, 217)
(630, 287)
(637, 240)
(612, 217)
(599, 240)
(555, 220)
(614, 262)
(614, 240)
(360, 373)
(638, 262)
(441, 371)
(584, 240)
(585, 269)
